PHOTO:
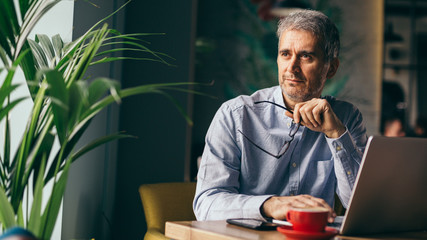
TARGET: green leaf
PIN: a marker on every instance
(34, 222)
(20, 216)
(36, 156)
(78, 100)
(5, 91)
(18, 183)
(31, 12)
(58, 91)
(7, 216)
(145, 49)
(39, 54)
(3, 57)
(99, 87)
(72, 141)
(50, 214)
(24, 5)
(58, 45)
(7, 83)
(114, 50)
(113, 59)
(9, 26)
(6, 152)
(35, 12)
(47, 46)
(28, 66)
(88, 54)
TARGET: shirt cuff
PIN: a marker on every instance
(252, 208)
(344, 142)
(342, 149)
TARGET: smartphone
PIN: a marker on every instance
(252, 223)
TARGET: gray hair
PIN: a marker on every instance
(319, 25)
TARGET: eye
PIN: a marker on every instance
(284, 53)
(305, 56)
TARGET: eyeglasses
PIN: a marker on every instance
(284, 148)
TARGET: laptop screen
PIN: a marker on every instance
(391, 188)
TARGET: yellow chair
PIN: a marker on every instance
(166, 202)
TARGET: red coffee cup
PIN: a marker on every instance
(308, 219)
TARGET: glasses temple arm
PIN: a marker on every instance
(278, 105)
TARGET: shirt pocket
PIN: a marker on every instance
(259, 167)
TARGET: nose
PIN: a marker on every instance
(294, 64)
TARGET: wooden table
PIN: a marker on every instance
(220, 230)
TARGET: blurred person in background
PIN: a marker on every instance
(394, 127)
(420, 129)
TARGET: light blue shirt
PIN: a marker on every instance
(235, 177)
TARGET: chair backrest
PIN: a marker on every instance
(167, 202)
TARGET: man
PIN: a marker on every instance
(284, 146)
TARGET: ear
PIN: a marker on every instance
(333, 67)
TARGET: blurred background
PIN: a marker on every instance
(230, 47)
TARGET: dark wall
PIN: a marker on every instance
(422, 74)
(158, 154)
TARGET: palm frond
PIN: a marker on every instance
(7, 215)
(64, 104)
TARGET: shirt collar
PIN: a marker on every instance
(278, 97)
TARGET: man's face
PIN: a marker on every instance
(302, 68)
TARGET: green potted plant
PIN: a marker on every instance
(65, 102)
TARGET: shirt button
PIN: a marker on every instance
(348, 173)
(294, 165)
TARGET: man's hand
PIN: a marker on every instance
(318, 116)
(278, 207)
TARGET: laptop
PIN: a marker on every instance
(390, 193)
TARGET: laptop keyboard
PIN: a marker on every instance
(337, 223)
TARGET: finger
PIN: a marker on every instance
(297, 114)
(287, 113)
(316, 111)
(331, 217)
(305, 120)
(308, 111)
(299, 204)
(307, 201)
(325, 112)
(317, 114)
(315, 202)
(322, 203)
